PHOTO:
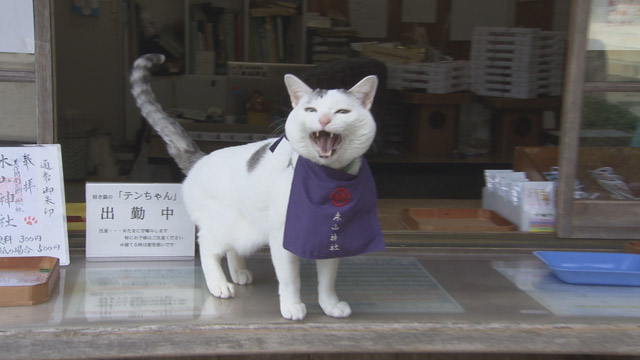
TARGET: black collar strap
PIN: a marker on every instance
(273, 146)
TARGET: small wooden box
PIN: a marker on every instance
(516, 128)
(434, 129)
(27, 280)
(434, 121)
(518, 122)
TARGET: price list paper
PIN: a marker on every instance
(137, 220)
(32, 203)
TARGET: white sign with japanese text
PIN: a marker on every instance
(33, 220)
(137, 220)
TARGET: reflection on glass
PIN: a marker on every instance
(610, 119)
(613, 47)
(564, 299)
(147, 291)
(48, 313)
(609, 159)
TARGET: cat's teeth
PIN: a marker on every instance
(317, 134)
(330, 135)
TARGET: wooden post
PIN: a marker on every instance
(571, 114)
(45, 104)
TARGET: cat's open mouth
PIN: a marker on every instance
(326, 143)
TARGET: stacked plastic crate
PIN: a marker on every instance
(551, 62)
(519, 63)
(436, 77)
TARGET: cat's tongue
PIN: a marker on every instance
(325, 142)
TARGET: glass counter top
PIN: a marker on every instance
(416, 294)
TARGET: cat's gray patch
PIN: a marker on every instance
(255, 158)
(319, 93)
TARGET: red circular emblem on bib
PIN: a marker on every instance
(340, 196)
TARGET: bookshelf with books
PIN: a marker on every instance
(330, 35)
(276, 31)
(330, 44)
(218, 31)
(214, 35)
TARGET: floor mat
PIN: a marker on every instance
(382, 284)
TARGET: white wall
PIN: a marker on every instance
(16, 27)
(17, 99)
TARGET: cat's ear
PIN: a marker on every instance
(365, 90)
(296, 87)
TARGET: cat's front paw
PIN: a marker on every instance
(293, 311)
(222, 290)
(338, 310)
(242, 277)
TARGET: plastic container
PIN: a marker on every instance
(593, 268)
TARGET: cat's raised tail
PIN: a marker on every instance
(179, 144)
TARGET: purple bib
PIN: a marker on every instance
(332, 213)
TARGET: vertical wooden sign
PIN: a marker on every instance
(32, 203)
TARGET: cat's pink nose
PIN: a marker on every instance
(324, 120)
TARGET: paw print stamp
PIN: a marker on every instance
(30, 220)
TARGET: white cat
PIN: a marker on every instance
(238, 196)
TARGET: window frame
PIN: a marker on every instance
(606, 219)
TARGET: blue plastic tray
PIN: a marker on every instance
(591, 268)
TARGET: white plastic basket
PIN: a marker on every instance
(438, 77)
(516, 62)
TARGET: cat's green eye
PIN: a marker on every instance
(343, 111)
(310, 109)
